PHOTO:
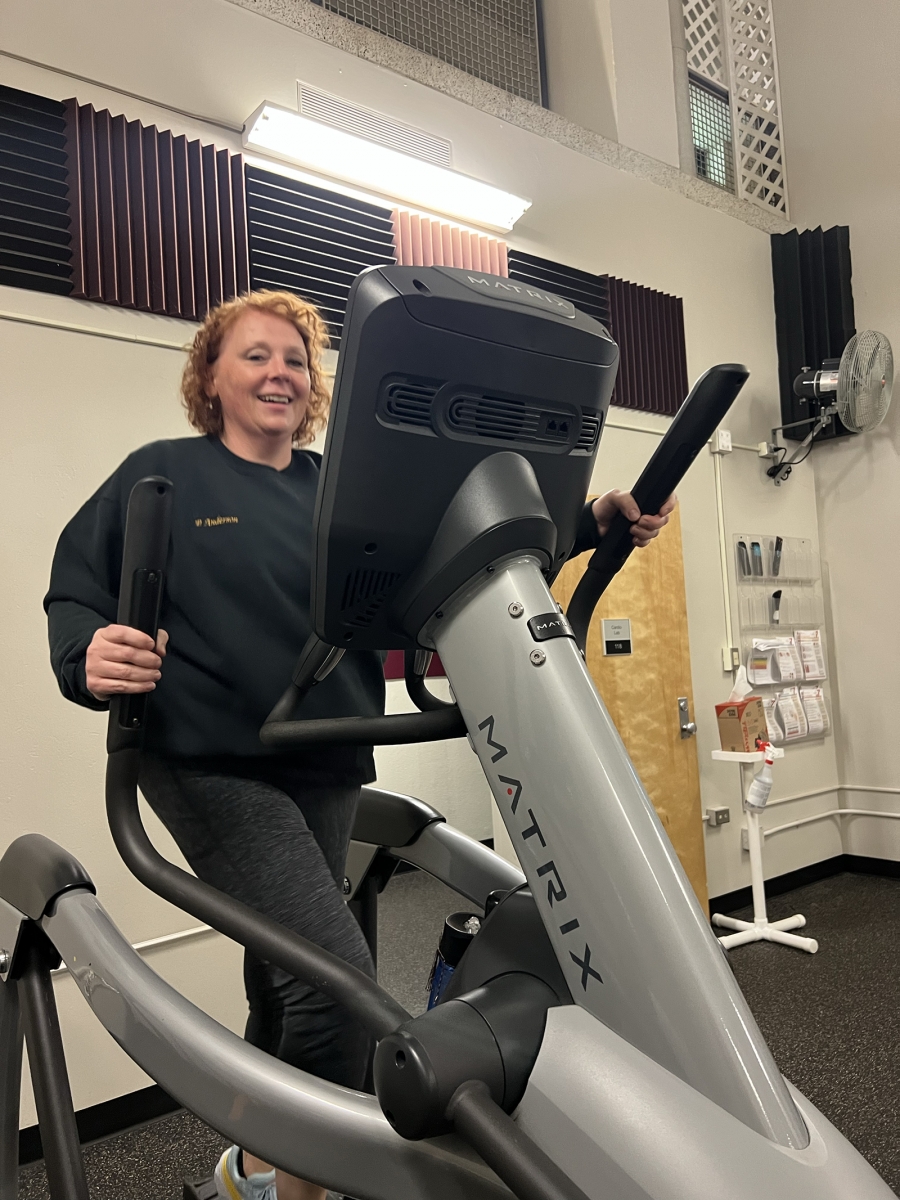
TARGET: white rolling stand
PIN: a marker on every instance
(760, 929)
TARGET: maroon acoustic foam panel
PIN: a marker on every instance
(393, 665)
(649, 328)
(159, 222)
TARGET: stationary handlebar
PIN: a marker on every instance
(148, 529)
(707, 403)
(436, 720)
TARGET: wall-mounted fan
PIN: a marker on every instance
(856, 387)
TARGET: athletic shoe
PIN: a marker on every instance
(233, 1186)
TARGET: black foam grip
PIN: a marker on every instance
(148, 528)
(709, 400)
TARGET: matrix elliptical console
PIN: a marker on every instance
(440, 371)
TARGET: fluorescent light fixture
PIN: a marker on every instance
(281, 133)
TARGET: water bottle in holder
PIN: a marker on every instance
(459, 929)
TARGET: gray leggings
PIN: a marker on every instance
(254, 829)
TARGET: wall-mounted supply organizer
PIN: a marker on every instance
(781, 614)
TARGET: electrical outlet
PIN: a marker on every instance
(718, 816)
(721, 442)
(731, 658)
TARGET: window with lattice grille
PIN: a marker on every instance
(494, 40)
(734, 83)
(711, 131)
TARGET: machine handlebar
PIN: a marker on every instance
(148, 528)
(706, 405)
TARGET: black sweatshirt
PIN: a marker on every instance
(236, 607)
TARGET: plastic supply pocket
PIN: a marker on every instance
(791, 714)
(781, 611)
(774, 660)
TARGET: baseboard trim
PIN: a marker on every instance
(854, 863)
(863, 865)
(104, 1120)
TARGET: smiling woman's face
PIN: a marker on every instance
(261, 378)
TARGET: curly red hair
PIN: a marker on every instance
(204, 411)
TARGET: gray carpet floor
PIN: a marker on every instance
(830, 1019)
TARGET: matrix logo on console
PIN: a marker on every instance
(520, 291)
(512, 290)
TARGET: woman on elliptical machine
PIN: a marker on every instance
(270, 829)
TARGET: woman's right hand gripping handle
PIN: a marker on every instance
(122, 661)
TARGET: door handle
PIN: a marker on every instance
(685, 724)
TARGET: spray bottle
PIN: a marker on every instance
(761, 786)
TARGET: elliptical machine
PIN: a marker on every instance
(593, 1042)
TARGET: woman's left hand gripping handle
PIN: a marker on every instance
(125, 659)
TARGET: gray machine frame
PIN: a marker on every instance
(243, 1093)
(599, 1102)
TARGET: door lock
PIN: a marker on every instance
(686, 725)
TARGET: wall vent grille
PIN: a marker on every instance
(366, 123)
(34, 204)
(495, 40)
(313, 242)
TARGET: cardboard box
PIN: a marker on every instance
(742, 724)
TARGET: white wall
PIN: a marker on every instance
(610, 68)
(578, 52)
(73, 406)
(645, 77)
(842, 126)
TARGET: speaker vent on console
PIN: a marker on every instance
(590, 432)
(410, 404)
(490, 416)
(366, 591)
(406, 401)
(511, 419)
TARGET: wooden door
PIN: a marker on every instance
(641, 690)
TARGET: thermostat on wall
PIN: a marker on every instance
(617, 636)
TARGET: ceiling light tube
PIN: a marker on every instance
(284, 134)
